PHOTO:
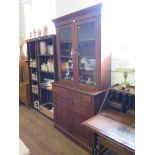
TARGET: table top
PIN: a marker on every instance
(114, 127)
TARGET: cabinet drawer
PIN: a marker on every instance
(81, 97)
(60, 90)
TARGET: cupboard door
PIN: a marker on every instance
(62, 111)
(66, 53)
(81, 112)
(86, 47)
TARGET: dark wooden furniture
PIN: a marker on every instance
(42, 62)
(83, 70)
(72, 107)
(81, 60)
(115, 123)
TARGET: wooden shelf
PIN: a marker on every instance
(47, 55)
(115, 105)
(34, 93)
(66, 41)
(87, 40)
(87, 56)
(33, 67)
(34, 80)
(45, 72)
(46, 87)
(66, 56)
(87, 72)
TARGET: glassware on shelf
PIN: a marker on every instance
(30, 35)
(35, 89)
(34, 33)
(50, 49)
(36, 104)
(90, 81)
(39, 32)
(67, 76)
(33, 62)
(44, 67)
(43, 50)
(45, 30)
(34, 76)
(86, 65)
(65, 66)
(48, 67)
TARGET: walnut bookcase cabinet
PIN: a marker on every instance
(42, 62)
(83, 73)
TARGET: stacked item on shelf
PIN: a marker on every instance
(35, 89)
(48, 67)
(36, 104)
(43, 50)
(33, 62)
(46, 49)
(34, 76)
(47, 83)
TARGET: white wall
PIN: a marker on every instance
(21, 21)
(69, 6)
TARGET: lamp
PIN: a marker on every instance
(125, 84)
(126, 66)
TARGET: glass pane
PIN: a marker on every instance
(66, 53)
(86, 49)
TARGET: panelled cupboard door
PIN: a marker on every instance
(62, 111)
(81, 112)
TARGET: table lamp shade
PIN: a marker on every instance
(126, 66)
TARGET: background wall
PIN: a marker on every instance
(66, 7)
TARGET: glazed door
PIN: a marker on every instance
(65, 52)
(86, 45)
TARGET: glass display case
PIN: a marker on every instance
(81, 61)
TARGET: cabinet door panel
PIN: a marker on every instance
(62, 111)
(86, 45)
(81, 112)
(85, 99)
(66, 52)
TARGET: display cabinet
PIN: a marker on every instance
(83, 71)
(42, 59)
(80, 57)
